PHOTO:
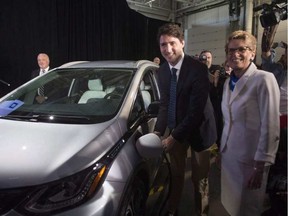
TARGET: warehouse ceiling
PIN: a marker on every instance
(169, 10)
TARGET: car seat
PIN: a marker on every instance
(145, 95)
(95, 91)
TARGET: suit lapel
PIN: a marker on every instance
(167, 74)
(181, 80)
(241, 83)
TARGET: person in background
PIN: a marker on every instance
(277, 181)
(250, 135)
(156, 60)
(207, 58)
(43, 63)
(184, 89)
(217, 77)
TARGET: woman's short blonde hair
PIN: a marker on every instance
(242, 35)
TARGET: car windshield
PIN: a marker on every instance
(69, 96)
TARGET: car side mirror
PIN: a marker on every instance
(153, 109)
(149, 146)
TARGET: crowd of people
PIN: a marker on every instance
(245, 101)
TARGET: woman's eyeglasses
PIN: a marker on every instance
(239, 50)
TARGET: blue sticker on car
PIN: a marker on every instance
(7, 107)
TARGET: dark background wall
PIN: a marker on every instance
(69, 30)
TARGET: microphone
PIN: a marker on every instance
(2, 81)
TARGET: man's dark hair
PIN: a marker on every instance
(171, 29)
(202, 56)
(206, 51)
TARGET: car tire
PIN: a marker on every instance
(135, 199)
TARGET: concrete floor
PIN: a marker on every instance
(187, 203)
(215, 206)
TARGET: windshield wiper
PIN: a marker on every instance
(50, 118)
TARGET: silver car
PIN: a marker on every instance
(83, 146)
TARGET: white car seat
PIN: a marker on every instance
(95, 91)
(145, 94)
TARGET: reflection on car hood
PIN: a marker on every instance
(35, 153)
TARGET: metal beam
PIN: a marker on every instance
(153, 9)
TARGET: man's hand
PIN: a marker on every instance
(214, 78)
(168, 143)
(40, 99)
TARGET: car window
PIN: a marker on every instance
(87, 95)
(147, 93)
(149, 87)
(137, 110)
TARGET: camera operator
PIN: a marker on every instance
(217, 76)
(277, 182)
(216, 72)
(279, 69)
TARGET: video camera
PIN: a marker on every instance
(272, 13)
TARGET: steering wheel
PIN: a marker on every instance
(113, 95)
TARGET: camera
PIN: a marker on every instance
(202, 57)
(272, 13)
(222, 72)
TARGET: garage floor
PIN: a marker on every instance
(215, 206)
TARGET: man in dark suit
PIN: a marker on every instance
(43, 63)
(192, 111)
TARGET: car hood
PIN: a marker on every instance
(36, 153)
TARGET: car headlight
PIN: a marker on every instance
(65, 193)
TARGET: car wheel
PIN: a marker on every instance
(135, 199)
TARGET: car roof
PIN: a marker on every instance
(105, 64)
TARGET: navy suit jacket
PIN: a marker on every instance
(192, 101)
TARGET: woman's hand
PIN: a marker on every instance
(256, 178)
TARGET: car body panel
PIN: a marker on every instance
(44, 144)
(72, 148)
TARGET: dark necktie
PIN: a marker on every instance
(172, 100)
(41, 89)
